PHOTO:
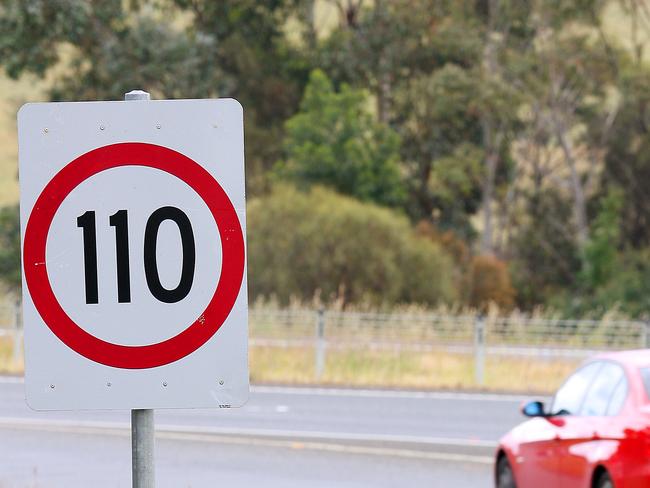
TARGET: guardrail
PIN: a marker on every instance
(479, 337)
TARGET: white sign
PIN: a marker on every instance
(134, 270)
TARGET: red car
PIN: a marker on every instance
(595, 434)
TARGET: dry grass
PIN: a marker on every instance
(393, 369)
(7, 364)
(386, 369)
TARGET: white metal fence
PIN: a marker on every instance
(480, 337)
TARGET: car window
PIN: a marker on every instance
(617, 399)
(601, 389)
(569, 397)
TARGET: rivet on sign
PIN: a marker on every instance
(101, 127)
(221, 382)
(164, 383)
(215, 126)
(108, 384)
(52, 386)
(157, 126)
(46, 130)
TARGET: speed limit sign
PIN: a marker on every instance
(134, 261)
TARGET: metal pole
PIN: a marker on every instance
(136, 95)
(479, 350)
(142, 424)
(142, 448)
(320, 344)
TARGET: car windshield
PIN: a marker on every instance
(645, 375)
(569, 397)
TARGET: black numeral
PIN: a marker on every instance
(87, 222)
(119, 220)
(150, 262)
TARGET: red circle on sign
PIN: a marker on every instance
(230, 233)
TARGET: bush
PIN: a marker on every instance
(305, 244)
(490, 283)
(10, 248)
(627, 291)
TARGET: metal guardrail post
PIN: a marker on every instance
(479, 350)
(319, 367)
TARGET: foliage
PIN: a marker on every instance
(318, 243)
(100, 50)
(10, 248)
(255, 63)
(503, 129)
(600, 253)
(546, 259)
(611, 279)
(442, 135)
(490, 283)
(627, 164)
(627, 290)
(334, 141)
(110, 48)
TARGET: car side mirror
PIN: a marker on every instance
(533, 409)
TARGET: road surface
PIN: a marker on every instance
(283, 437)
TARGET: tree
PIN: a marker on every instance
(334, 141)
(258, 65)
(118, 46)
(545, 257)
(601, 251)
(627, 161)
(441, 134)
(97, 50)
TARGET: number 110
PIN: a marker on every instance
(119, 220)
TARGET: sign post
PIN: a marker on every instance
(142, 448)
(143, 430)
(133, 229)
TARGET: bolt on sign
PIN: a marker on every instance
(133, 233)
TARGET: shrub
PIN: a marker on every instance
(490, 283)
(304, 244)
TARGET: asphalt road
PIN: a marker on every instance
(283, 437)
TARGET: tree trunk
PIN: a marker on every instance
(491, 136)
(579, 204)
(384, 84)
(384, 94)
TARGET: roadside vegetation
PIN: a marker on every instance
(423, 151)
(489, 155)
